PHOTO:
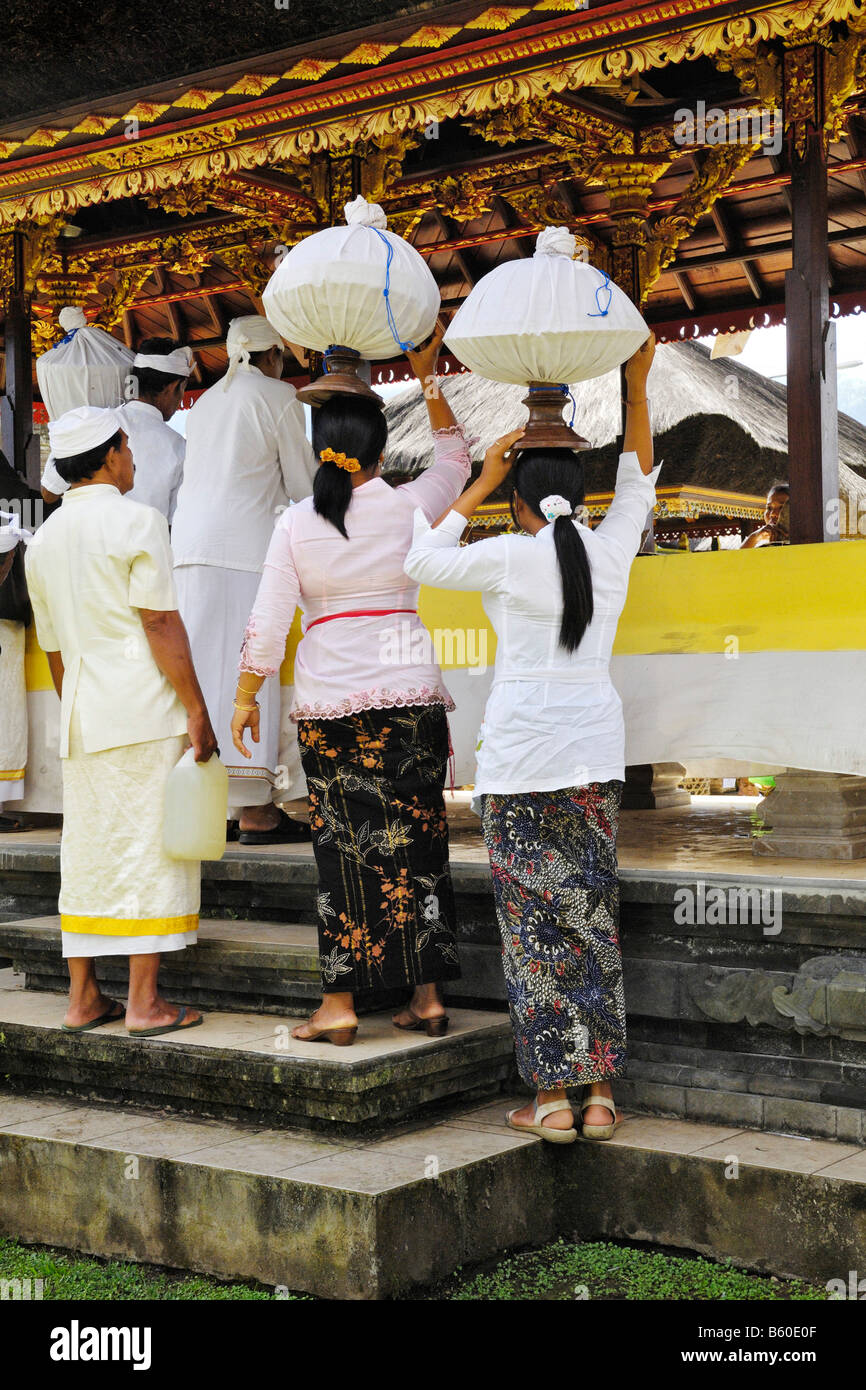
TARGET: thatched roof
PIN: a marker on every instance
(716, 424)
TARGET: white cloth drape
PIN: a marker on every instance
(13, 712)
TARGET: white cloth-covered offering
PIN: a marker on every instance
(548, 318)
(87, 367)
(330, 289)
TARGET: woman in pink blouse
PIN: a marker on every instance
(370, 705)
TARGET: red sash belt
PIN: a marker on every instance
(358, 613)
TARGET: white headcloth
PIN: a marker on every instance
(81, 429)
(251, 333)
(179, 362)
(11, 532)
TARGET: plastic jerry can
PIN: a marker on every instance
(196, 809)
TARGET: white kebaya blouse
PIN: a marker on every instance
(354, 663)
(553, 718)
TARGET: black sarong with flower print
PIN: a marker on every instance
(380, 836)
(553, 856)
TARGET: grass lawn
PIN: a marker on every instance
(562, 1272)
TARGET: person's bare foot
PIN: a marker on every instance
(158, 1014)
(559, 1119)
(259, 817)
(326, 1018)
(425, 1003)
(91, 1006)
(598, 1114)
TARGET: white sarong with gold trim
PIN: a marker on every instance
(120, 892)
(13, 711)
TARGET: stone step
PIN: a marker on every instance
(257, 967)
(365, 1220)
(251, 966)
(244, 1065)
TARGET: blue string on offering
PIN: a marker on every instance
(573, 407)
(600, 290)
(408, 346)
(69, 336)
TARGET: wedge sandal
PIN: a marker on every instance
(598, 1131)
(552, 1136)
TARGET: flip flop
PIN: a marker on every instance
(285, 832)
(177, 1027)
(108, 1017)
(9, 825)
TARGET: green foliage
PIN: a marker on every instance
(77, 1277)
(562, 1272)
(565, 1272)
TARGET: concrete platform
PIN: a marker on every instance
(368, 1220)
(248, 1066)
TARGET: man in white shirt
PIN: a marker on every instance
(158, 380)
(100, 576)
(247, 458)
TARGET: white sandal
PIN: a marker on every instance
(553, 1136)
(598, 1131)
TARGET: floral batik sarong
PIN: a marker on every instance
(377, 813)
(553, 856)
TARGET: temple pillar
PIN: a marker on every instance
(813, 449)
(654, 787)
(813, 815)
(20, 444)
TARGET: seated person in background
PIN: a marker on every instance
(775, 528)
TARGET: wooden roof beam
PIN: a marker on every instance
(685, 290)
(731, 243)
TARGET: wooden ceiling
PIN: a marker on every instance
(469, 190)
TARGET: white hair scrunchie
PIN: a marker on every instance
(553, 506)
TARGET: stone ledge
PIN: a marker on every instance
(248, 1066)
(375, 1220)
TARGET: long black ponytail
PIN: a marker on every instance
(541, 473)
(350, 425)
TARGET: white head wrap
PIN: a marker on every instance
(81, 429)
(555, 241)
(176, 363)
(72, 318)
(553, 506)
(252, 333)
(11, 532)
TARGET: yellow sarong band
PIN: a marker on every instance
(129, 926)
(12, 776)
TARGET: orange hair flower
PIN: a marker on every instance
(329, 456)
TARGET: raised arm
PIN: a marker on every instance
(638, 434)
(441, 483)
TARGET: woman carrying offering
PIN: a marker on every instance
(370, 706)
(552, 748)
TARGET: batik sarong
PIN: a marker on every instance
(380, 837)
(553, 856)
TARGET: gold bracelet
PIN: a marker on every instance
(254, 705)
(246, 689)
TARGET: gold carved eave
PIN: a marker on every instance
(392, 100)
